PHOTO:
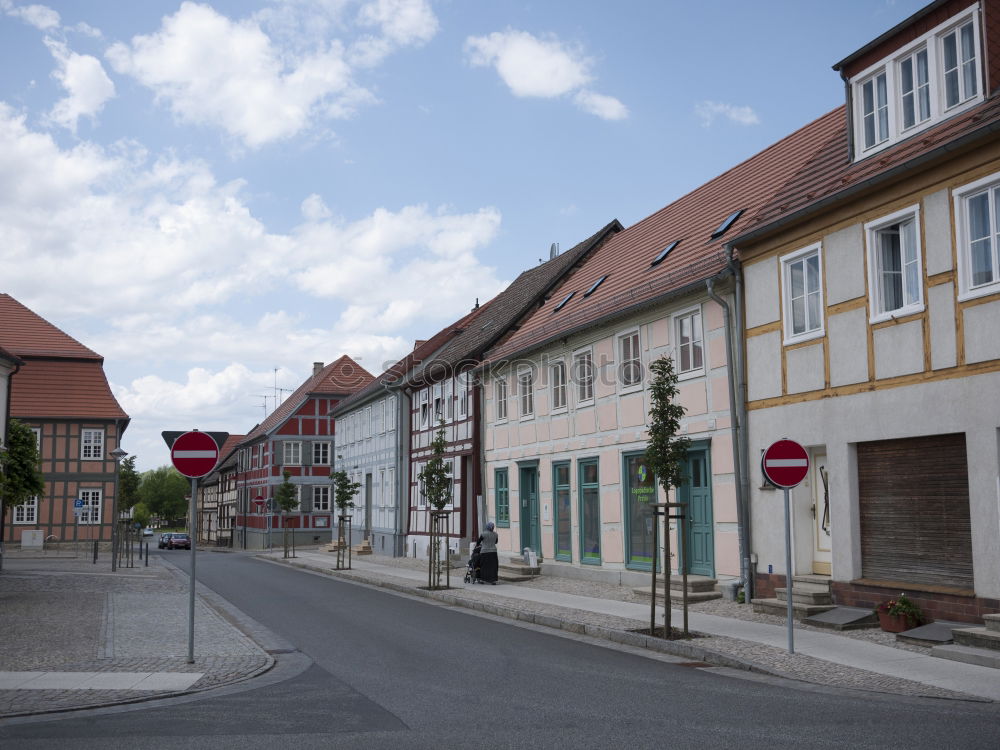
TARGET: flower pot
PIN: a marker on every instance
(893, 623)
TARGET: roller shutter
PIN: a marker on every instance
(914, 503)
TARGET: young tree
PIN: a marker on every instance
(665, 452)
(128, 485)
(437, 488)
(284, 498)
(344, 491)
(20, 473)
(141, 514)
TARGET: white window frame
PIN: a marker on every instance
(91, 449)
(291, 453)
(634, 359)
(298, 497)
(991, 186)
(449, 400)
(321, 453)
(500, 396)
(558, 385)
(678, 317)
(90, 513)
(424, 408)
(787, 262)
(584, 386)
(321, 498)
(26, 512)
(526, 393)
(37, 432)
(933, 43)
(873, 230)
(462, 384)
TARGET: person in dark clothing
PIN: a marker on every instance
(489, 563)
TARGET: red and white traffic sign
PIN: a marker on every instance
(785, 463)
(194, 454)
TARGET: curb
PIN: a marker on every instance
(626, 638)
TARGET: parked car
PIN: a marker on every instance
(164, 538)
(179, 541)
(147, 532)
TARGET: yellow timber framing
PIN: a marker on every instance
(909, 190)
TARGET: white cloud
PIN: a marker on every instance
(605, 107)
(269, 77)
(542, 67)
(84, 79)
(214, 71)
(40, 16)
(708, 111)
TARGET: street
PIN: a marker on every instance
(373, 669)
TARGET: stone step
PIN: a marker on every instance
(696, 584)
(780, 608)
(983, 657)
(805, 597)
(677, 595)
(992, 622)
(811, 578)
(362, 548)
(512, 572)
(977, 638)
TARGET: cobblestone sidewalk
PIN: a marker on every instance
(64, 614)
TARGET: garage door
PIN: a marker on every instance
(914, 502)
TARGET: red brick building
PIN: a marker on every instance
(297, 437)
(62, 393)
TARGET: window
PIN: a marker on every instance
(449, 400)
(424, 409)
(92, 445)
(525, 388)
(366, 423)
(321, 454)
(321, 498)
(689, 349)
(557, 373)
(894, 265)
(959, 65)
(500, 388)
(726, 224)
(915, 88)
(502, 497)
(298, 497)
(583, 373)
(977, 209)
(933, 77)
(590, 513)
(563, 520)
(562, 304)
(462, 383)
(390, 486)
(662, 256)
(802, 293)
(380, 417)
(593, 287)
(292, 452)
(26, 512)
(630, 367)
(90, 513)
(875, 110)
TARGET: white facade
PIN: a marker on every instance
(568, 452)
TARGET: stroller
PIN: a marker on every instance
(472, 572)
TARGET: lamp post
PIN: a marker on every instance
(117, 454)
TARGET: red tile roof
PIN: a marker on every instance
(26, 333)
(625, 259)
(829, 176)
(63, 389)
(10, 357)
(340, 378)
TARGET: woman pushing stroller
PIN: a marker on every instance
(489, 563)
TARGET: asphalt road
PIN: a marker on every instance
(377, 670)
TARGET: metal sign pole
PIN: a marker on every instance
(788, 572)
(194, 549)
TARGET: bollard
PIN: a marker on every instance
(147, 554)
(95, 552)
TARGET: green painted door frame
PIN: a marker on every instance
(639, 491)
(699, 542)
(527, 491)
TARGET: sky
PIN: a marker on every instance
(215, 195)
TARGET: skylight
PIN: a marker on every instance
(593, 287)
(664, 253)
(562, 304)
(724, 226)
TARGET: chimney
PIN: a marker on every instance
(554, 250)
(317, 368)
(477, 305)
(419, 343)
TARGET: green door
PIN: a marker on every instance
(531, 532)
(640, 492)
(699, 543)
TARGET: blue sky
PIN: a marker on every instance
(216, 195)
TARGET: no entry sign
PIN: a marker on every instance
(194, 454)
(785, 463)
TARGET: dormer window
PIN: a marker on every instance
(931, 78)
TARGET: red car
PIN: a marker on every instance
(179, 541)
